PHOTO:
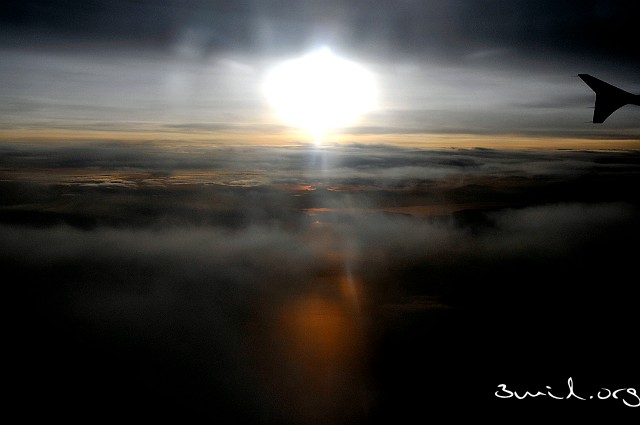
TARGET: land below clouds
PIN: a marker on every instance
(328, 285)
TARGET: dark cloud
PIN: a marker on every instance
(236, 303)
(593, 27)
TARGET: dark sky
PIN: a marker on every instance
(405, 27)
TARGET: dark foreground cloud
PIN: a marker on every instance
(366, 314)
(408, 282)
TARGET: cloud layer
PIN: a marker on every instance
(349, 302)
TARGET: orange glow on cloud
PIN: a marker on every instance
(295, 188)
(320, 334)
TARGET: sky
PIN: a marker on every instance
(172, 250)
(172, 70)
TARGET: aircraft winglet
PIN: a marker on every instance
(608, 98)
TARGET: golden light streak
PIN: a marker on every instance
(298, 138)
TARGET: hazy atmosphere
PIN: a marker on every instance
(175, 248)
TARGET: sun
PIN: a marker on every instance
(320, 92)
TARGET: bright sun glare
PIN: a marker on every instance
(320, 92)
